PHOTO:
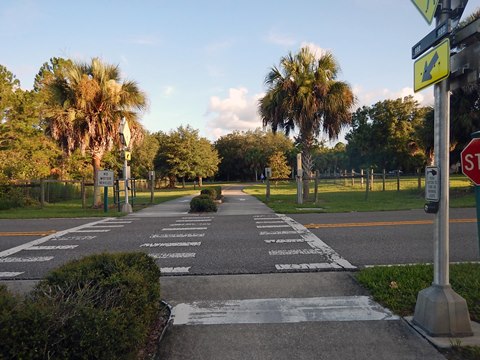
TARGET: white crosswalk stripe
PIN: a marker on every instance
(8, 274)
(172, 255)
(168, 236)
(25, 259)
(47, 247)
(175, 270)
(312, 266)
(175, 244)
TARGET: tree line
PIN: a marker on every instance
(67, 127)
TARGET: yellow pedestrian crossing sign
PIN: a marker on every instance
(432, 67)
(427, 8)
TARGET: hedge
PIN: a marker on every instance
(99, 307)
(203, 203)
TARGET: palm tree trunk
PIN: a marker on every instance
(200, 182)
(97, 196)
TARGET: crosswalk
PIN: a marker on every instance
(73, 237)
(282, 245)
(175, 257)
(305, 242)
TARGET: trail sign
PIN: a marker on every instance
(427, 8)
(125, 134)
(470, 158)
(105, 178)
(432, 183)
(432, 67)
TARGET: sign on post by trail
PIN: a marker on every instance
(432, 184)
(105, 178)
(432, 67)
(470, 159)
(427, 8)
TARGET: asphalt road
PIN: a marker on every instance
(393, 237)
(244, 237)
(274, 295)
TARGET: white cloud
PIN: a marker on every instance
(238, 111)
(370, 97)
(314, 48)
(167, 91)
(279, 39)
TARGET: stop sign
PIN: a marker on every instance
(470, 158)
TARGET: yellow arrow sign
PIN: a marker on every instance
(427, 8)
(432, 67)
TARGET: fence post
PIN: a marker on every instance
(42, 193)
(361, 178)
(383, 180)
(419, 173)
(82, 190)
(371, 180)
(398, 180)
(353, 177)
(368, 184)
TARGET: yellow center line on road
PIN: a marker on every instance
(384, 223)
(28, 233)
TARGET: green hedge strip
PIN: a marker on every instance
(99, 307)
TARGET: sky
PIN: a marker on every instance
(203, 63)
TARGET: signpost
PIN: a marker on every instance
(125, 137)
(439, 310)
(432, 67)
(299, 179)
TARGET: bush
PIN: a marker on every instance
(203, 203)
(11, 197)
(218, 189)
(99, 307)
(211, 192)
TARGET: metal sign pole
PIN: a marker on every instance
(439, 310)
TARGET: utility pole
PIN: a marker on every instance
(439, 310)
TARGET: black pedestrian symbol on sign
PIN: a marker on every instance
(432, 171)
(429, 67)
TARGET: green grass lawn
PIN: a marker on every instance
(343, 197)
(73, 208)
(397, 287)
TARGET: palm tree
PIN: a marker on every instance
(304, 94)
(84, 105)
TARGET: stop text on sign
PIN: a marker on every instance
(471, 161)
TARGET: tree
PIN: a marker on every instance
(84, 105)
(245, 154)
(386, 136)
(184, 154)
(143, 155)
(303, 93)
(278, 162)
(25, 153)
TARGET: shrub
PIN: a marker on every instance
(99, 307)
(218, 189)
(11, 197)
(211, 192)
(203, 203)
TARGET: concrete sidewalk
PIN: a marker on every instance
(221, 318)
